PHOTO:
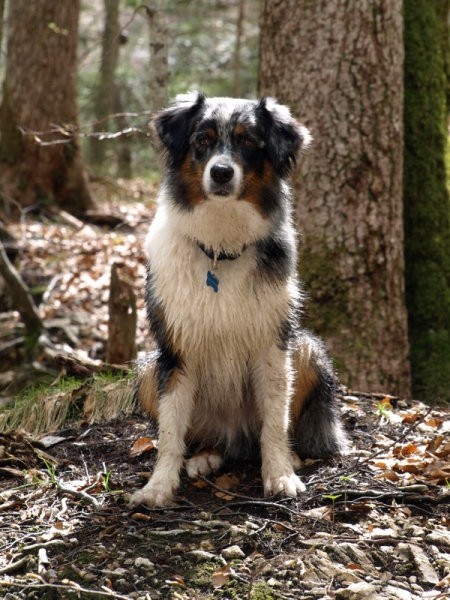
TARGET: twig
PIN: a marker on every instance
(78, 494)
(259, 503)
(39, 545)
(14, 566)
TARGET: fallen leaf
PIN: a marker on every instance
(224, 496)
(354, 567)
(405, 450)
(143, 445)
(434, 444)
(389, 475)
(199, 484)
(221, 576)
(411, 417)
(227, 482)
(433, 422)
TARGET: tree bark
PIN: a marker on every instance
(121, 347)
(159, 55)
(237, 49)
(426, 199)
(39, 95)
(339, 65)
(105, 93)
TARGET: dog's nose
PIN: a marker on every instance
(221, 173)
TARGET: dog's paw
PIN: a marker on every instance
(203, 463)
(156, 492)
(290, 485)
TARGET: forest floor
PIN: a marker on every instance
(373, 524)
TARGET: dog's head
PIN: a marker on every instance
(224, 148)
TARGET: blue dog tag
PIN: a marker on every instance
(212, 281)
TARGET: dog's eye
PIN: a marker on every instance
(248, 142)
(203, 140)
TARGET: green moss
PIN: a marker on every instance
(328, 313)
(426, 198)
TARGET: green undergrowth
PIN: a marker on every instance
(49, 406)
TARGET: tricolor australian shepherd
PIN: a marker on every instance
(233, 371)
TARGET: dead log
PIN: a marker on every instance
(121, 346)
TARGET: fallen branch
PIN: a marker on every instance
(20, 295)
(105, 593)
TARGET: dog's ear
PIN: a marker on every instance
(174, 124)
(284, 136)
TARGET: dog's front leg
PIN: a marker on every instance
(272, 386)
(175, 408)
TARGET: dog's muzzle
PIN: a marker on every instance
(222, 177)
(221, 173)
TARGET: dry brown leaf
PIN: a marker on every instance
(386, 403)
(143, 445)
(389, 475)
(221, 576)
(224, 496)
(409, 467)
(200, 484)
(354, 567)
(227, 482)
(438, 470)
(434, 444)
(411, 417)
(433, 422)
(137, 516)
(405, 450)
(444, 451)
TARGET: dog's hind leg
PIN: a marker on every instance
(316, 425)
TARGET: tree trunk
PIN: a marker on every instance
(159, 55)
(105, 93)
(339, 65)
(39, 95)
(123, 152)
(426, 200)
(2, 12)
(237, 49)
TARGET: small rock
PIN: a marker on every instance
(201, 555)
(440, 535)
(399, 593)
(232, 552)
(143, 563)
(426, 571)
(358, 591)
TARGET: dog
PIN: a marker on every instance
(233, 372)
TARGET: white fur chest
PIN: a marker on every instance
(228, 327)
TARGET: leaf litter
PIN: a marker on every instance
(373, 524)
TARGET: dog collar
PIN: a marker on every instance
(212, 279)
(221, 255)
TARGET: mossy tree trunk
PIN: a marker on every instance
(39, 95)
(426, 199)
(339, 65)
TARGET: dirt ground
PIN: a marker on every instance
(374, 524)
